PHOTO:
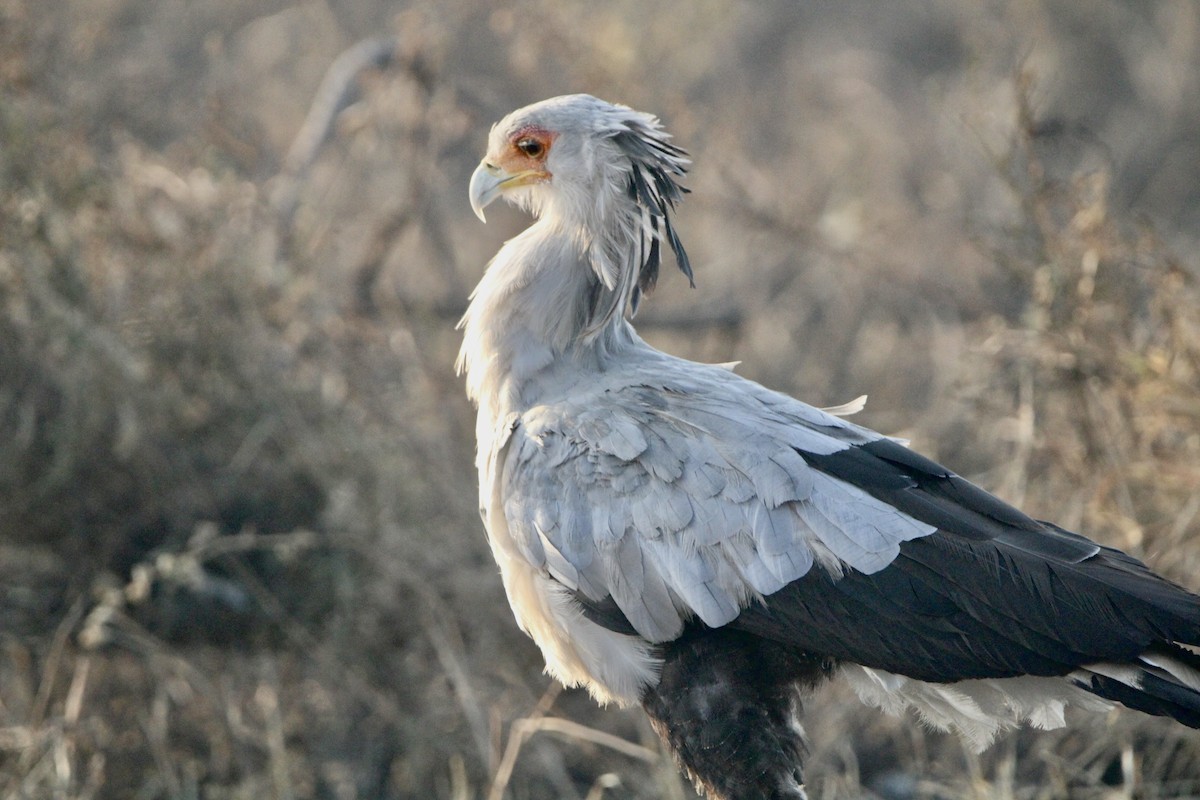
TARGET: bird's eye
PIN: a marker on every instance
(531, 147)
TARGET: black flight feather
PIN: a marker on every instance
(1155, 695)
(993, 593)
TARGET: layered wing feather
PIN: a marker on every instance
(698, 494)
(993, 593)
(687, 495)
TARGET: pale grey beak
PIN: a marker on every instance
(486, 183)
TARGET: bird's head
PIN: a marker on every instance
(600, 167)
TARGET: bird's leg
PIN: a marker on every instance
(727, 706)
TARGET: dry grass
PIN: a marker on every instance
(239, 549)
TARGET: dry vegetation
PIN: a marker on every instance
(239, 552)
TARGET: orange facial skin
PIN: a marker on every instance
(526, 154)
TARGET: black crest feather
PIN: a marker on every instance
(653, 185)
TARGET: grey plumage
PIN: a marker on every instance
(719, 508)
(655, 519)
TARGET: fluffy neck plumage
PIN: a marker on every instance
(561, 292)
(545, 297)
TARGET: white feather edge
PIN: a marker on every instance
(979, 709)
(1181, 672)
(853, 407)
(848, 409)
(614, 667)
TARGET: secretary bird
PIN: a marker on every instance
(675, 536)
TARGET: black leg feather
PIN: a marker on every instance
(727, 706)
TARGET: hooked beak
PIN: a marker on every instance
(489, 181)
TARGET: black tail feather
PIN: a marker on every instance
(1157, 692)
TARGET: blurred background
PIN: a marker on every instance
(239, 550)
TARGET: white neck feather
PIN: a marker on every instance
(534, 307)
(554, 304)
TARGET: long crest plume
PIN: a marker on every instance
(653, 186)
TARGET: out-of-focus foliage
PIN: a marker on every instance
(239, 551)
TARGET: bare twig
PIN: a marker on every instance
(504, 771)
(268, 703)
(73, 705)
(521, 730)
(251, 541)
(573, 730)
(62, 635)
(156, 727)
(448, 648)
(335, 93)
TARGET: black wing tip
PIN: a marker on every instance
(1158, 696)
